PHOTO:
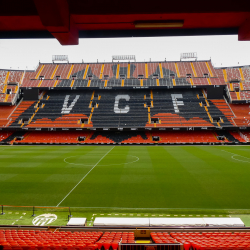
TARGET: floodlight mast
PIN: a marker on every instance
(123, 58)
(190, 55)
(60, 58)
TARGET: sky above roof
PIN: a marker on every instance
(224, 51)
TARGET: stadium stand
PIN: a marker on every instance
(45, 239)
(127, 96)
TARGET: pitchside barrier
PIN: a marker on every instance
(143, 246)
(33, 209)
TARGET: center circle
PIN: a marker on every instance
(132, 159)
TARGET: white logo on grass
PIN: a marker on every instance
(44, 219)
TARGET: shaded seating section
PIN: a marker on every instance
(4, 135)
(123, 108)
(213, 240)
(184, 108)
(39, 240)
(184, 136)
(237, 136)
(63, 109)
(119, 137)
(53, 136)
(120, 109)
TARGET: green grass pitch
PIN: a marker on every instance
(166, 180)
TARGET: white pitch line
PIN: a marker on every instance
(83, 178)
(233, 154)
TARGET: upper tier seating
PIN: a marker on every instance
(122, 74)
(121, 109)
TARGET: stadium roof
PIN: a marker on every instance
(67, 20)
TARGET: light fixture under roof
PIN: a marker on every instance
(159, 24)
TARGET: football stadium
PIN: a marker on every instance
(126, 154)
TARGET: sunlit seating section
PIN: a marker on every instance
(213, 240)
(162, 238)
(48, 70)
(246, 73)
(246, 85)
(185, 68)
(62, 71)
(111, 240)
(198, 69)
(26, 80)
(110, 70)
(38, 239)
(139, 70)
(245, 95)
(233, 74)
(16, 76)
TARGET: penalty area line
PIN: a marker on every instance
(83, 178)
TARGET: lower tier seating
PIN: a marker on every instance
(124, 137)
(4, 135)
